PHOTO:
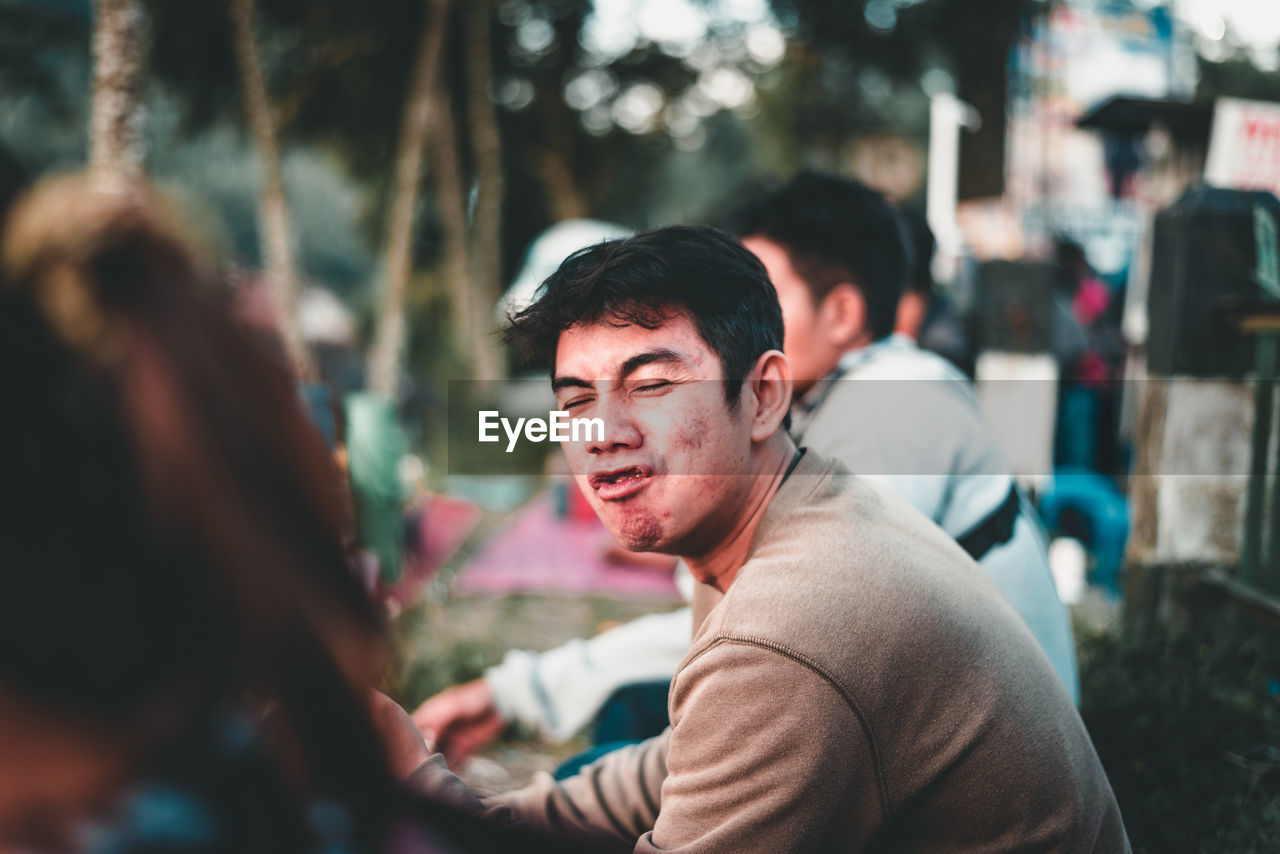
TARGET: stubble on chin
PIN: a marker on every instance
(639, 532)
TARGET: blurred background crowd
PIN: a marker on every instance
(377, 184)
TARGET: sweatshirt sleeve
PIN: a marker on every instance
(556, 693)
(765, 755)
(611, 802)
(434, 781)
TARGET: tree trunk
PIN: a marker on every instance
(554, 162)
(564, 197)
(389, 335)
(121, 39)
(453, 216)
(273, 210)
(486, 243)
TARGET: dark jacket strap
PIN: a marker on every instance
(995, 529)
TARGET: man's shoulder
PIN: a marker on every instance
(922, 419)
(900, 358)
(907, 377)
(850, 575)
(837, 548)
(827, 514)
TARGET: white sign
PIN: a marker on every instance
(1244, 148)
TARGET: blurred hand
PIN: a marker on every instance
(460, 721)
(406, 748)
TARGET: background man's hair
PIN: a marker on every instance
(13, 179)
(835, 230)
(643, 279)
(921, 246)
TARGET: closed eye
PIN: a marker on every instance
(577, 402)
(651, 386)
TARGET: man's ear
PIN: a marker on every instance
(843, 316)
(769, 386)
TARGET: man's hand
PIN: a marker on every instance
(405, 746)
(460, 721)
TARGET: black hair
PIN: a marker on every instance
(835, 230)
(921, 245)
(642, 279)
(13, 179)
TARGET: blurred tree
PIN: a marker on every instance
(549, 123)
(273, 209)
(389, 336)
(341, 73)
(28, 34)
(486, 142)
(848, 53)
(469, 335)
(120, 46)
(1237, 77)
(348, 79)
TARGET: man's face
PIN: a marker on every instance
(806, 339)
(673, 468)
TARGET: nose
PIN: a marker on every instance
(620, 430)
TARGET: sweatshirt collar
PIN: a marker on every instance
(809, 473)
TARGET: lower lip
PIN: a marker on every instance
(621, 489)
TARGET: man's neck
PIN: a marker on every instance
(802, 386)
(719, 566)
(862, 342)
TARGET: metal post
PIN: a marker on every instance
(1251, 547)
(1268, 571)
(1252, 562)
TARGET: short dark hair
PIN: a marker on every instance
(642, 279)
(13, 179)
(835, 230)
(921, 245)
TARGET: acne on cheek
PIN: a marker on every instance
(691, 437)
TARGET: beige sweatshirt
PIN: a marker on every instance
(862, 686)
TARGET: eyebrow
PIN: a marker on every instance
(568, 382)
(662, 355)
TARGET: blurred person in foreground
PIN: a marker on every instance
(855, 682)
(185, 655)
(834, 252)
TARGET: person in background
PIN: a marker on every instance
(888, 410)
(1090, 352)
(186, 658)
(835, 255)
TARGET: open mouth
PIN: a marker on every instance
(619, 483)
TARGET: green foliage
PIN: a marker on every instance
(435, 663)
(857, 59)
(1188, 729)
(27, 32)
(1237, 77)
(44, 79)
